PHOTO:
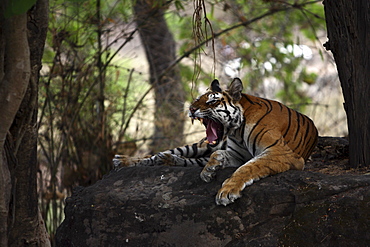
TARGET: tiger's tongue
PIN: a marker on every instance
(211, 131)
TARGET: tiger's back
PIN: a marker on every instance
(262, 115)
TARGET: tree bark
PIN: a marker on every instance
(24, 38)
(169, 93)
(14, 81)
(348, 25)
(5, 180)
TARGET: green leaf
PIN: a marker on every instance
(17, 7)
(179, 5)
(321, 55)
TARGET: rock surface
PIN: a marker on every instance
(172, 206)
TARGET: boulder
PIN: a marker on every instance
(172, 206)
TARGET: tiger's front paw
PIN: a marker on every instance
(230, 191)
(207, 176)
(209, 172)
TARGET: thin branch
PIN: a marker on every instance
(241, 24)
(215, 35)
(128, 39)
(125, 97)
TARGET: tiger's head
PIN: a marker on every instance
(218, 110)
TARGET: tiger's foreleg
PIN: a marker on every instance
(219, 159)
(163, 158)
(266, 164)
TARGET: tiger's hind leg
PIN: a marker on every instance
(120, 161)
(268, 163)
(177, 160)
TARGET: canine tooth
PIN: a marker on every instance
(214, 142)
(201, 120)
(206, 141)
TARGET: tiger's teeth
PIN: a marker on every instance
(214, 142)
(201, 120)
(206, 141)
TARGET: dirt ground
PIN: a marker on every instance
(331, 157)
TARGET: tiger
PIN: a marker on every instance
(260, 137)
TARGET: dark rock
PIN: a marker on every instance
(172, 206)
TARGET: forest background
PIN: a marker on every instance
(97, 97)
(117, 76)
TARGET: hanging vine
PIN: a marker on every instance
(200, 35)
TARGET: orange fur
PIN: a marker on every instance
(259, 136)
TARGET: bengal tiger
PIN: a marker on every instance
(259, 136)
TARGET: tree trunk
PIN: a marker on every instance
(169, 93)
(348, 25)
(5, 180)
(15, 75)
(18, 100)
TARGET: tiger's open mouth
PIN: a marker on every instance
(214, 129)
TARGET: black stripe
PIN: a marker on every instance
(308, 150)
(181, 151)
(236, 151)
(241, 142)
(257, 123)
(242, 134)
(208, 151)
(187, 150)
(269, 102)
(249, 100)
(195, 149)
(298, 125)
(313, 145)
(289, 120)
(151, 163)
(304, 118)
(299, 145)
(191, 161)
(199, 162)
(223, 147)
(226, 111)
(231, 105)
(273, 144)
(255, 140)
(307, 132)
(228, 97)
(205, 160)
(281, 106)
(305, 140)
(225, 106)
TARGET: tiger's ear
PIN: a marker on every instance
(235, 89)
(215, 86)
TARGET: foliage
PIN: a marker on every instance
(94, 97)
(84, 98)
(269, 49)
(16, 7)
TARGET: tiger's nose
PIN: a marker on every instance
(192, 110)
